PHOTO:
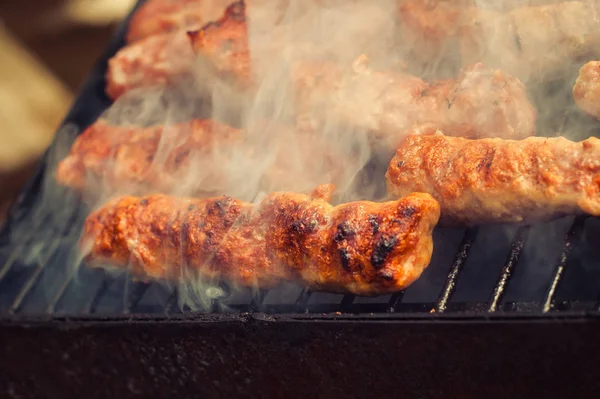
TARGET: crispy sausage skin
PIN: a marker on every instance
(363, 248)
(499, 181)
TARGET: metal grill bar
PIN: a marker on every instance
(134, 296)
(11, 259)
(257, 300)
(172, 301)
(25, 289)
(507, 271)
(395, 300)
(62, 290)
(302, 301)
(455, 269)
(91, 307)
(346, 303)
(571, 239)
(33, 279)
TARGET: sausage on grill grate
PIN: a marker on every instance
(158, 157)
(478, 102)
(532, 41)
(362, 248)
(201, 158)
(499, 181)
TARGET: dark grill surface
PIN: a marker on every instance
(482, 272)
(473, 281)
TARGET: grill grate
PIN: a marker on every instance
(507, 270)
(133, 294)
(572, 237)
(35, 276)
(455, 269)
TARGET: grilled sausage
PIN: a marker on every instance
(480, 103)
(530, 42)
(201, 158)
(111, 158)
(499, 181)
(362, 248)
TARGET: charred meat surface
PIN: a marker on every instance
(165, 16)
(287, 236)
(586, 90)
(499, 181)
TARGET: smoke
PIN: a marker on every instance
(282, 149)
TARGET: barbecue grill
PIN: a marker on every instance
(500, 311)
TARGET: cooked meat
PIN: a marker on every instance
(154, 61)
(499, 181)
(200, 157)
(224, 44)
(162, 59)
(480, 103)
(363, 248)
(164, 16)
(586, 90)
(109, 157)
(387, 104)
(529, 42)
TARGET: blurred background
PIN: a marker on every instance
(48, 47)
